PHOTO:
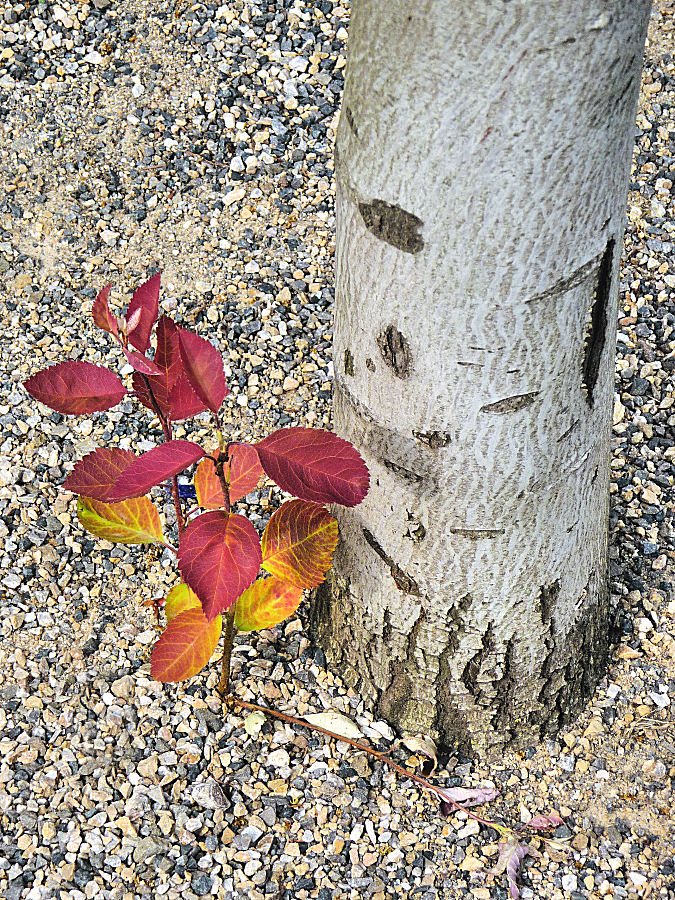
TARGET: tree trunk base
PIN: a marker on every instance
(471, 715)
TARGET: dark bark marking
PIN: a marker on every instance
(547, 597)
(404, 582)
(462, 362)
(416, 531)
(474, 665)
(569, 431)
(579, 276)
(393, 225)
(349, 116)
(349, 362)
(395, 351)
(433, 439)
(475, 534)
(370, 365)
(393, 699)
(402, 472)
(597, 329)
(510, 404)
(413, 461)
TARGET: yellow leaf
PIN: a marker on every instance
(266, 603)
(133, 521)
(180, 598)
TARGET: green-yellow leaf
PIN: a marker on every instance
(133, 521)
(180, 598)
(266, 603)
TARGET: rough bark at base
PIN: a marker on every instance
(482, 164)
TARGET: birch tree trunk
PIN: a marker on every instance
(482, 162)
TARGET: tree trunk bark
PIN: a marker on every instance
(482, 162)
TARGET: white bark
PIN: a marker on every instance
(482, 162)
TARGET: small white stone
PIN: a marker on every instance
(278, 758)
(109, 237)
(660, 700)
(569, 883)
(383, 729)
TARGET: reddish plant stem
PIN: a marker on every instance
(228, 638)
(427, 785)
(219, 466)
(166, 431)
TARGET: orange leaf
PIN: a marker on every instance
(243, 471)
(128, 522)
(266, 603)
(180, 598)
(185, 646)
(298, 543)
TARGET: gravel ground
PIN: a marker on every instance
(197, 138)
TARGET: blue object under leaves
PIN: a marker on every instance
(184, 490)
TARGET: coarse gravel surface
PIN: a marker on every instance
(197, 139)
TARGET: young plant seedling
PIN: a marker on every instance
(230, 577)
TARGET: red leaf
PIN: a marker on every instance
(203, 366)
(177, 403)
(219, 557)
(183, 402)
(146, 299)
(141, 363)
(185, 646)
(243, 471)
(315, 465)
(450, 797)
(542, 823)
(153, 468)
(171, 388)
(511, 854)
(100, 312)
(76, 388)
(96, 473)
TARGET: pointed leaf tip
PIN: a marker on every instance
(129, 522)
(76, 388)
(154, 467)
(298, 543)
(141, 363)
(96, 473)
(100, 312)
(219, 557)
(146, 300)
(315, 465)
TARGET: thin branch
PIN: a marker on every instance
(219, 466)
(166, 431)
(228, 639)
(423, 782)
